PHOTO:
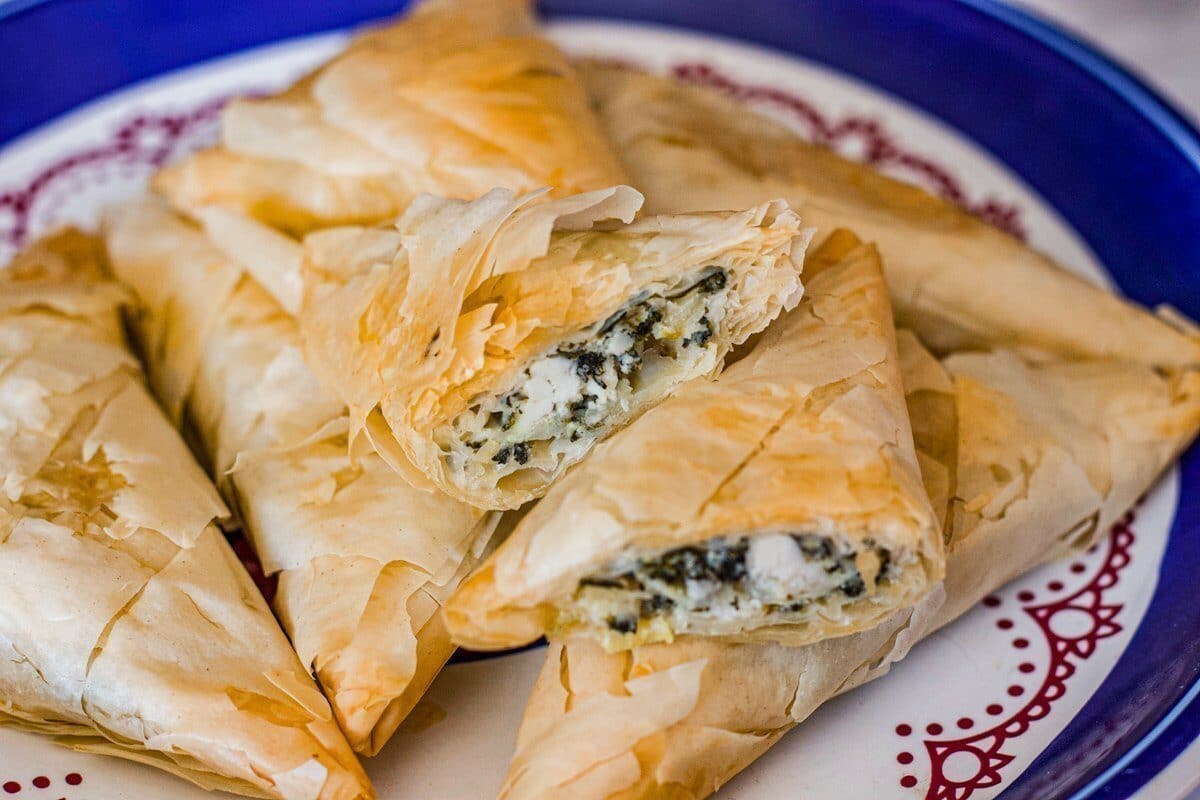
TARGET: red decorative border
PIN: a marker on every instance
(151, 139)
(979, 758)
(41, 783)
(147, 140)
(878, 146)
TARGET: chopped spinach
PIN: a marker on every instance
(625, 623)
(606, 361)
(679, 577)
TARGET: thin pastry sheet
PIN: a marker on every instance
(691, 149)
(424, 328)
(456, 98)
(127, 625)
(363, 559)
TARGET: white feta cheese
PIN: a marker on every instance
(567, 398)
(552, 384)
(777, 570)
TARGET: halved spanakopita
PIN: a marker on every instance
(486, 346)
(1026, 461)
(782, 501)
(457, 98)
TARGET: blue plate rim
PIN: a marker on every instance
(1105, 68)
(14, 7)
(1185, 135)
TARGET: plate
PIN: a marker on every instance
(1078, 681)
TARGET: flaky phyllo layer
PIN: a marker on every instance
(363, 559)
(1037, 459)
(500, 340)
(127, 625)
(690, 148)
(781, 501)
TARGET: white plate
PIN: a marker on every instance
(968, 710)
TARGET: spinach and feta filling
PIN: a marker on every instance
(731, 584)
(567, 398)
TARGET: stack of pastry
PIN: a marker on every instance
(413, 301)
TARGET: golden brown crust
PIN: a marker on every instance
(363, 559)
(690, 149)
(128, 625)
(456, 99)
(585, 736)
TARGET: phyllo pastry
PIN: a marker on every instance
(363, 560)
(486, 346)
(127, 625)
(782, 501)
(1001, 450)
(457, 98)
(954, 279)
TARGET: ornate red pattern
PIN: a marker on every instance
(879, 147)
(41, 783)
(267, 584)
(150, 140)
(979, 759)
(146, 141)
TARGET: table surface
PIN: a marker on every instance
(1159, 39)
